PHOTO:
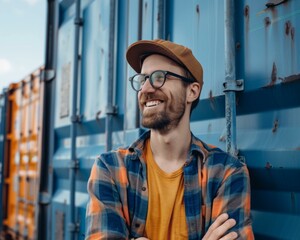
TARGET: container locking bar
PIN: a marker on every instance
(76, 118)
(233, 85)
(111, 110)
(73, 227)
(74, 164)
(44, 198)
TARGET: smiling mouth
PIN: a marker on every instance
(153, 103)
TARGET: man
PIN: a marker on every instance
(168, 184)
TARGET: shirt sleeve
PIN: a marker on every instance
(233, 197)
(104, 215)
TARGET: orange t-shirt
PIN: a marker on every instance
(166, 218)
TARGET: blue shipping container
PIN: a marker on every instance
(93, 108)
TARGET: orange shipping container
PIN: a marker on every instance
(21, 162)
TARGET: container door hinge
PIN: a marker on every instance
(78, 21)
(233, 85)
(47, 75)
(73, 227)
(77, 118)
(74, 164)
(44, 198)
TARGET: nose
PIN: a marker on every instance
(147, 87)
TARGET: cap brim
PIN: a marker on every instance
(138, 51)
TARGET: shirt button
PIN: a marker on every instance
(143, 188)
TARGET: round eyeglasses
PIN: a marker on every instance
(157, 79)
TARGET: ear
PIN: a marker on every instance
(193, 93)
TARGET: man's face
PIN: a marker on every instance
(162, 109)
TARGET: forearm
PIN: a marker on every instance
(233, 198)
(104, 213)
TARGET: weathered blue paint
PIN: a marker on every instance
(268, 110)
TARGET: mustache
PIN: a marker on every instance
(151, 96)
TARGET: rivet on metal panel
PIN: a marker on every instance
(275, 126)
(267, 21)
(287, 27)
(198, 8)
(268, 165)
(274, 3)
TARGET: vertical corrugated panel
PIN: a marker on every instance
(267, 56)
(3, 103)
(21, 163)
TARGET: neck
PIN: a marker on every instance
(170, 148)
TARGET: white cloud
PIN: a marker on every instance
(5, 66)
(31, 2)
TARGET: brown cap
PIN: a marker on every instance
(139, 50)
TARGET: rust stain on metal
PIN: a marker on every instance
(291, 78)
(212, 100)
(246, 11)
(288, 26)
(274, 3)
(273, 75)
(292, 33)
(197, 9)
(268, 165)
(158, 17)
(275, 126)
(267, 21)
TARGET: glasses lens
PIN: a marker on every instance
(157, 78)
(137, 81)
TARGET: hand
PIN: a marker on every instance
(220, 226)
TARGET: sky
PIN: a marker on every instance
(22, 39)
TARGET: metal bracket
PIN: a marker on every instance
(233, 85)
(76, 118)
(47, 75)
(111, 110)
(74, 164)
(73, 227)
(78, 21)
(44, 198)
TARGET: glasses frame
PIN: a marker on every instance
(185, 79)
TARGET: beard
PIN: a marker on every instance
(167, 118)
